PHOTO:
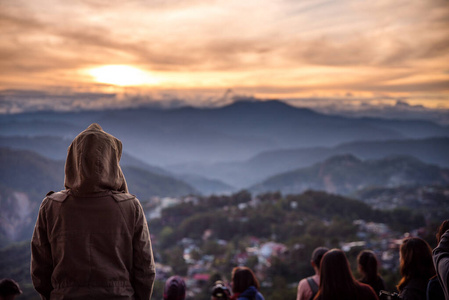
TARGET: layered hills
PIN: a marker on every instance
(231, 133)
(261, 145)
(346, 174)
(249, 172)
(26, 177)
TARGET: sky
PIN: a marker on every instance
(335, 55)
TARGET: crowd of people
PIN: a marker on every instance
(91, 241)
(244, 286)
(333, 279)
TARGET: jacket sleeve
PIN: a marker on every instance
(41, 259)
(441, 261)
(143, 262)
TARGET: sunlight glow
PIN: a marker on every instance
(122, 75)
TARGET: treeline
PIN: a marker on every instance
(286, 218)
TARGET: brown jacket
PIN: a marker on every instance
(91, 241)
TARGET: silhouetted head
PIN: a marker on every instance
(368, 263)
(92, 163)
(336, 280)
(317, 255)
(9, 289)
(415, 261)
(243, 278)
(443, 228)
(175, 288)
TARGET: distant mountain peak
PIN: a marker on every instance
(272, 105)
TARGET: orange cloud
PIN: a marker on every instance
(266, 48)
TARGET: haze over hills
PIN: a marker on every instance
(205, 185)
(347, 174)
(25, 178)
(234, 132)
(245, 173)
(56, 148)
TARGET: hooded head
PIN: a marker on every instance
(92, 163)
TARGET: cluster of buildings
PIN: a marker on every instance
(259, 253)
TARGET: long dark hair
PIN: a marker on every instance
(416, 261)
(243, 278)
(336, 279)
(368, 265)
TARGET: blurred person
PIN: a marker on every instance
(245, 285)
(441, 258)
(367, 266)
(9, 289)
(91, 240)
(416, 268)
(220, 291)
(175, 288)
(337, 281)
(434, 289)
(308, 287)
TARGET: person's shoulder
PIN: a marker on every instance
(60, 196)
(433, 282)
(367, 291)
(121, 196)
(415, 289)
(259, 296)
(302, 282)
(304, 290)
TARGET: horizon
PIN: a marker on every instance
(398, 110)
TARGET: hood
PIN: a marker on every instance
(92, 163)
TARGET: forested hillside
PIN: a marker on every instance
(346, 174)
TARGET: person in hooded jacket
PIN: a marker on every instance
(91, 240)
(245, 285)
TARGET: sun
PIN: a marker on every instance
(122, 75)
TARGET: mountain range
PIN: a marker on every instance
(346, 174)
(231, 133)
(248, 172)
